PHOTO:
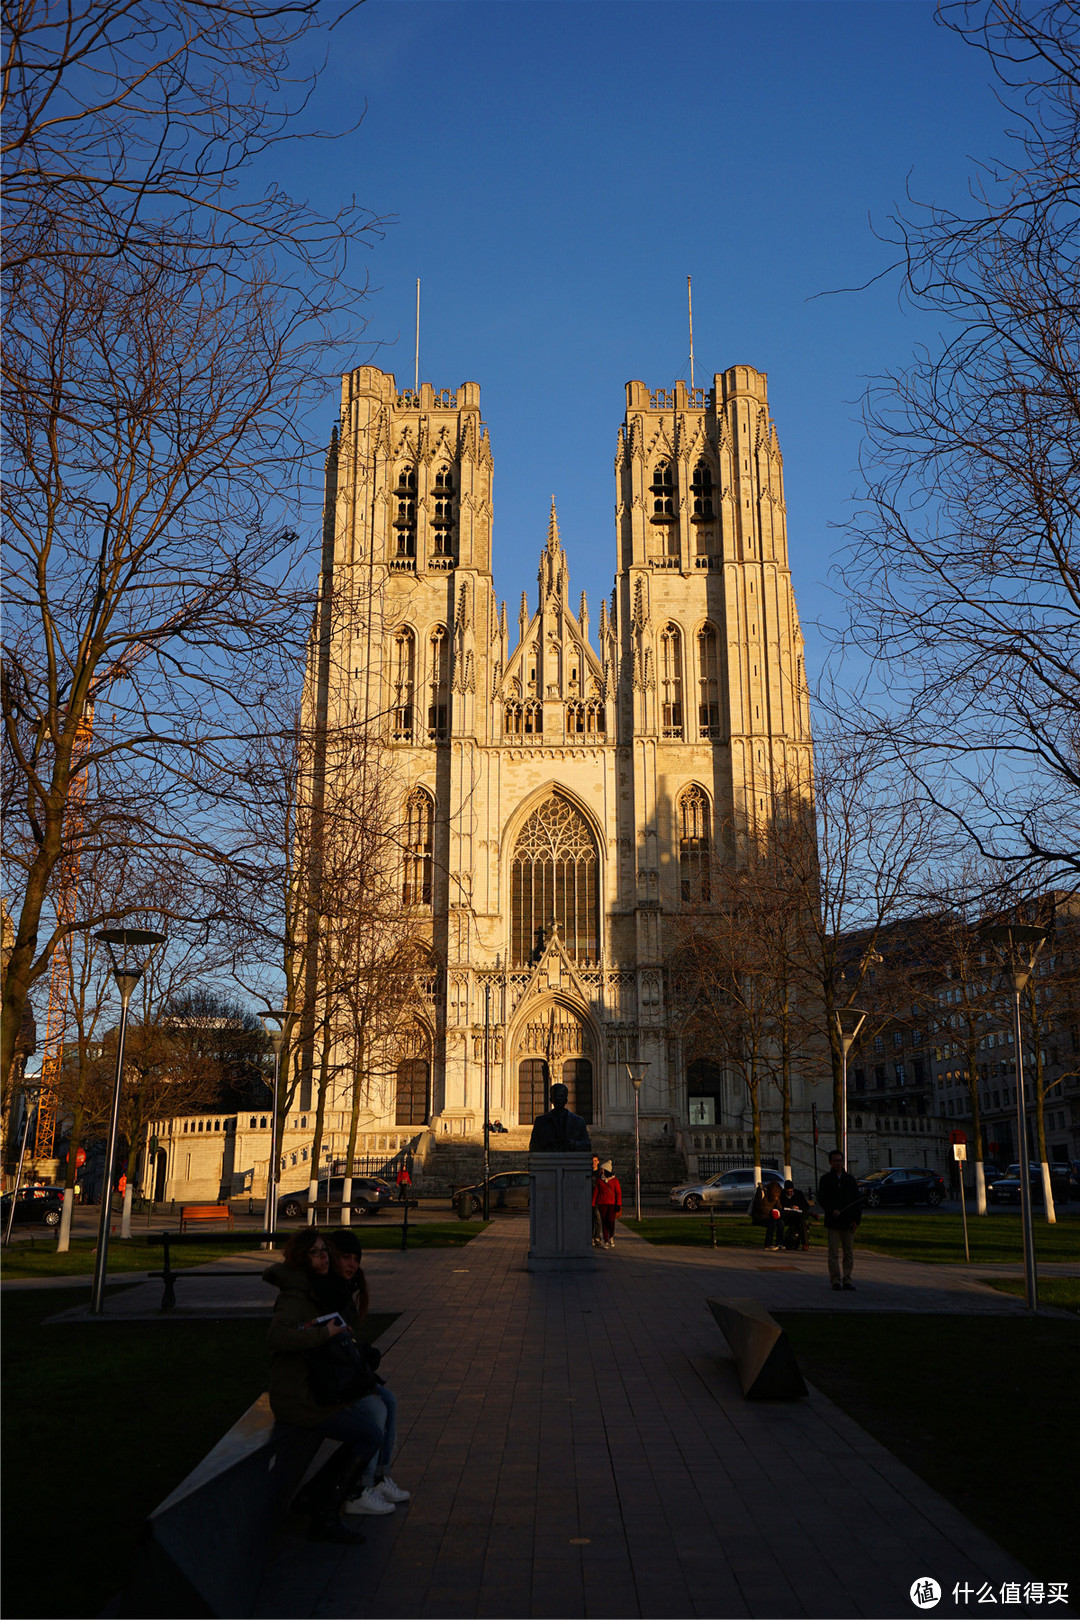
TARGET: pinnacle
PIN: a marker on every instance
(553, 530)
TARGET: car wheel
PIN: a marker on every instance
(933, 1198)
(477, 1205)
(361, 1209)
(693, 1203)
(873, 1199)
(291, 1209)
(51, 1217)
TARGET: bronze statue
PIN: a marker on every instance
(559, 1131)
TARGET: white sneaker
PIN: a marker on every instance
(369, 1501)
(392, 1492)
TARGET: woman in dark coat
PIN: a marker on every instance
(378, 1493)
(796, 1211)
(306, 1291)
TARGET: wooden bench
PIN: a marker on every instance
(193, 1213)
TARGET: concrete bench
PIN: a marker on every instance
(203, 1551)
(763, 1355)
(192, 1214)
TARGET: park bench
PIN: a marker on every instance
(193, 1214)
(204, 1549)
(170, 1277)
(763, 1355)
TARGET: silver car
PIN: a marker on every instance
(733, 1189)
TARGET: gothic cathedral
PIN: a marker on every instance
(562, 796)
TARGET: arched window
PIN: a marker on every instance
(701, 488)
(402, 685)
(413, 1103)
(419, 848)
(512, 723)
(662, 490)
(671, 718)
(439, 701)
(695, 844)
(708, 684)
(534, 718)
(554, 879)
(442, 521)
(405, 521)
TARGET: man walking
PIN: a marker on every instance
(838, 1195)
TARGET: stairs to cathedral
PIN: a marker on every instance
(459, 1161)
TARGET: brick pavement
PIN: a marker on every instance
(579, 1446)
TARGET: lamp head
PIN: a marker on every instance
(636, 1071)
(274, 1025)
(130, 950)
(1017, 946)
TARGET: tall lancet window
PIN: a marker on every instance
(439, 685)
(419, 848)
(662, 490)
(701, 489)
(402, 685)
(554, 878)
(708, 684)
(671, 715)
(442, 516)
(405, 517)
(695, 844)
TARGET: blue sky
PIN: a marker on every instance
(553, 171)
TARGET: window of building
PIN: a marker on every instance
(663, 492)
(701, 488)
(412, 1105)
(585, 719)
(402, 685)
(708, 684)
(443, 524)
(419, 848)
(405, 519)
(439, 703)
(695, 845)
(671, 720)
(534, 718)
(513, 720)
(554, 879)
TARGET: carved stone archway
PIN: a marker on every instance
(555, 1043)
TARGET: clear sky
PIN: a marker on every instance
(553, 170)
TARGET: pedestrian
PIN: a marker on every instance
(597, 1225)
(838, 1195)
(404, 1182)
(607, 1197)
(765, 1211)
(378, 1493)
(307, 1316)
(795, 1210)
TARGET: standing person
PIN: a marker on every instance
(838, 1195)
(607, 1197)
(795, 1210)
(597, 1225)
(765, 1211)
(378, 1494)
(306, 1291)
(404, 1182)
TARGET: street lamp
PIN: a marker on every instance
(274, 1026)
(129, 950)
(1018, 946)
(31, 1095)
(636, 1071)
(856, 1019)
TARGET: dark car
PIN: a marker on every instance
(899, 1185)
(508, 1190)
(369, 1195)
(733, 1189)
(1006, 1189)
(41, 1204)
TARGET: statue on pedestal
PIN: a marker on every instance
(559, 1131)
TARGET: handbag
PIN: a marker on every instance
(337, 1371)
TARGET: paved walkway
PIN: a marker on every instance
(579, 1446)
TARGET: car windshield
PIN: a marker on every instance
(877, 1175)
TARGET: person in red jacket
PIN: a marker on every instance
(607, 1197)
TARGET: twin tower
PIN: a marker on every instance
(564, 788)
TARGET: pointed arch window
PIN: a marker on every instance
(701, 490)
(405, 519)
(439, 685)
(708, 683)
(419, 848)
(443, 514)
(662, 490)
(554, 879)
(671, 694)
(403, 684)
(695, 844)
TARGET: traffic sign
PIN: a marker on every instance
(959, 1151)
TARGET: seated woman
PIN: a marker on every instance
(378, 1492)
(795, 1211)
(306, 1291)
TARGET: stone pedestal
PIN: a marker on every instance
(560, 1212)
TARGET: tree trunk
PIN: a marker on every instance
(316, 1144)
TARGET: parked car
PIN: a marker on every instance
(508, 1190)
(41, 1204)
(1006, 1189)
(369, 1195)
(900, 1185)
(732, 1189)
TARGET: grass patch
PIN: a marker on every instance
(135, 1254)
(984, 1428)
(936, 1237)
(1061, 1292)
(130, 1405)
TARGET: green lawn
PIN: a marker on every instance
(135, 1254)
(101, 1421)
(934, 1236)
(974, 1405)
(1061, 1292)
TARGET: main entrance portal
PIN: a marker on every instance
(554, 1046)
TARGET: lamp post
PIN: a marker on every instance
(129, 950)
(1018, 946)
(274, 1026)
(31, 1094)
(847, 1041)
(487, 1096)
(636, 1071)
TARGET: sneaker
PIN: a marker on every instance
(836, 1288)
(369, 1501)
(392, 1492)
(850, 1287)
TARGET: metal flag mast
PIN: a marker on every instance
(690, 312)
(416, 367)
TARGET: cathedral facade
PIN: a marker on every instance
(563, 787)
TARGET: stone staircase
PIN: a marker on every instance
(459, 1161)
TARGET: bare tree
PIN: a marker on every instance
(965, 567)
